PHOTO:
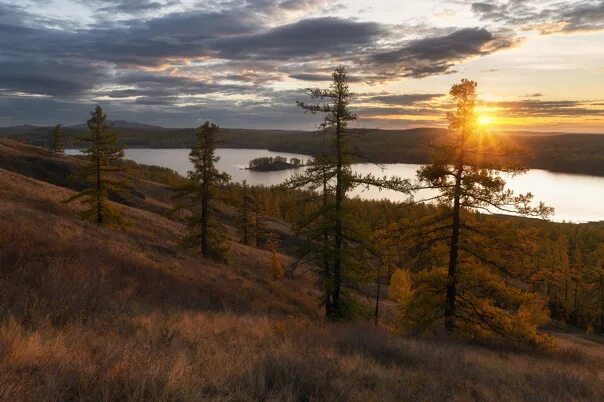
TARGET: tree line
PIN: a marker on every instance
(445, 260)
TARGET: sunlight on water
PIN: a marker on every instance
(576, 198)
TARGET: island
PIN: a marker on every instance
(271, 164)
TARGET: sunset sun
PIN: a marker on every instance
(485, 120)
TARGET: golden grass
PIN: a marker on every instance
(225, 356)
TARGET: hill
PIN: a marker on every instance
(558, 152)
(89, 313)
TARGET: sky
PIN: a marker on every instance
(539, 64)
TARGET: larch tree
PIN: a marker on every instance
(466, 174)
(331, 178)
(597, 274)
(199, 193)
(258, 216)
(272, 245)
(100, 171)
(246, 216)
(56, 140)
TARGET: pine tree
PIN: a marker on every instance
(465, 170)
(99, 171)
(56, 140)
(199, 193)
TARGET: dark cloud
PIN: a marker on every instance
(326, 77)
(435, 55)
(129, 6)
(311, 77)
(372, 112)
(309, 37)
(532, 107)
(402, 100)
(585, 16)
(553, 17)
(48, 76)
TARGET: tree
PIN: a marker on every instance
(272, 244)
(258, 215)
(337, 117)
(99, 171)
(199, 193)
(326, 226)
(465, 171)
(599, 275)
(56, 140)
(401, 289)
(245, 212)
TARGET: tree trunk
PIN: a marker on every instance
(602, 303)
(377, 296)
(204, 212)
(245, 214)
(566, 294)
(326, 272)
(99, 196)
(337, 266)
(453, 253)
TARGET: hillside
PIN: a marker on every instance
(90, 313)
(559, 152)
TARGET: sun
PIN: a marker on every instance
(485, 120)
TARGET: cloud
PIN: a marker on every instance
(309, 37)
(541, 108)
(439, 54)
(402, 100)
(129, 6)
(544, 16)
(311, 77)
(172, 62)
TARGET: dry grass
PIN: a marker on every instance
(224, 356)
(90, 313)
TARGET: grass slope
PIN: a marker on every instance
(90, 313)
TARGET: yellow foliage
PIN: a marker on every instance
(487, 308)
(534, 311)
(425, 308)
(400, 289)
(276, 265)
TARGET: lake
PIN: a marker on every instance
(576, 198)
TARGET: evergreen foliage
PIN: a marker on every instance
(332, 235)
(198, 196)
(99, 171)
(56, 140)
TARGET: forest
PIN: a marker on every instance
(334, 276)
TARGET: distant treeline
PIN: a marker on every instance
(569, 153)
